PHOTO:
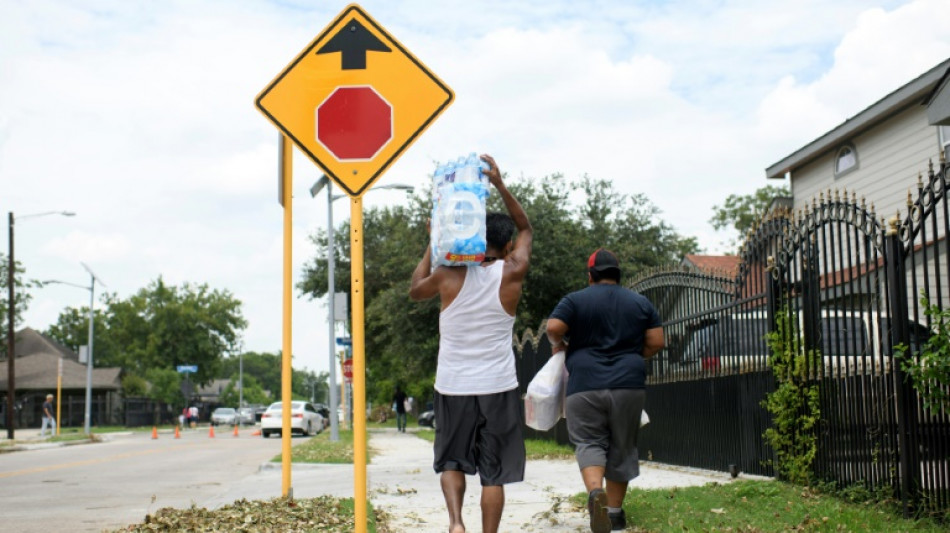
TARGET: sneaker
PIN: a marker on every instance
(597, 507)
(618, 521)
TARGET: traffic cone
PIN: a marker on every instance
(256, 433)
(177, 432)
(235, 431)
(154, 432)
(211, 432)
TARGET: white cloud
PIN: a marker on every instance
(880, 52)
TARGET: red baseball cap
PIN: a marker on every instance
(602, 260)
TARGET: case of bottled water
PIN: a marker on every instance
(458, 212)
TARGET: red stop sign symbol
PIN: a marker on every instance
(348, 369)
(354, 123)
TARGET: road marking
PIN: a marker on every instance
(50, 468)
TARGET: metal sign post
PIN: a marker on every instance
(353, 100)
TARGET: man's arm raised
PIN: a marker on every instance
(425, 285)
(520, 256)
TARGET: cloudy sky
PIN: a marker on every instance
(139, 116)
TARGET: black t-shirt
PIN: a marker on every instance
(607, 326)
(48, 408)
(400, 400)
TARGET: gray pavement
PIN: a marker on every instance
(401, 481)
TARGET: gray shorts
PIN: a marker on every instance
(603, 425)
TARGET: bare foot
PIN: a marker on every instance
(457, 528)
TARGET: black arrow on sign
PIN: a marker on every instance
(353, 41)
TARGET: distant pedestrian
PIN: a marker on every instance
(399, 404)
(193, 416)
(608, 331)
(48, 418)
(183, 417)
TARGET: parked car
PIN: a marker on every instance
(427, 418)
(323, 409)
(850, 342)
(304, 419)
(224, 416)
(258, 411)
(245, 416)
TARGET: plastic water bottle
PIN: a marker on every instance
(459, 212)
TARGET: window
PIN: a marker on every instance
(943, 135)
(846, 160)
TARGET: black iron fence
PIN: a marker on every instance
(852, 285)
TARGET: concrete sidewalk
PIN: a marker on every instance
(401, 482)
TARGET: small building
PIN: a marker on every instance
(36, 372)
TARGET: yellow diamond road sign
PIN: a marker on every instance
(354, 99)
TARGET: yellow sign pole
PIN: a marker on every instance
(359, 364)
(59, 393)
(286, 372)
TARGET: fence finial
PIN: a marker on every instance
(892, 224)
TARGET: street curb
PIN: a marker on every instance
(270, 465)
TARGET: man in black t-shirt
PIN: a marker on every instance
(399, 403)
(607, 331)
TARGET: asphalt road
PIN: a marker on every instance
(92, 487)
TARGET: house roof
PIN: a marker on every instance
(713, 264)
(213, 389)
(938, 103)
(37, 366)
(917, 91)
(39, 372)
(28, 341)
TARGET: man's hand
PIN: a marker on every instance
(493, 174)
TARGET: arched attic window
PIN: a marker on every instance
(846, 160)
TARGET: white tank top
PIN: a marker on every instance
(475, 348)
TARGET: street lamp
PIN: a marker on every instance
(324, 181)
(313, 389)
(11, 311)
(92, 292)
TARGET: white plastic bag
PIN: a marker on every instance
(544, 401)
(644, 418)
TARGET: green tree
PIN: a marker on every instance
(164, 385)
(265, 368)
(160, 327)
(134, 386)
(741, 211)
(20, 295)
(402, 336)
(72, 330)
(253, 392)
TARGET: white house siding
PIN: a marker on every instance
(890, 156)
(933, 278)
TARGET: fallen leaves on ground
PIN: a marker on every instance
(324, 514)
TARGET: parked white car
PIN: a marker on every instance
(304, 419)
(224, 416)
